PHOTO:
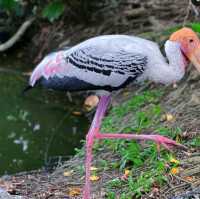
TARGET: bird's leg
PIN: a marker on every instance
(93, 131)
(95, 134)
(159, 139)
(88, 161)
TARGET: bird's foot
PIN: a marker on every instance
(166, 142)
(158, 139)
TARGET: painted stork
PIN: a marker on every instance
(111, 62)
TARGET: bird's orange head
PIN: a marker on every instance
(190, 44)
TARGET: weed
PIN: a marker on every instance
(140, 113)
(111, 195)
(115, 183)
(195, 142)
(147, 170)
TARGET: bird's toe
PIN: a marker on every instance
(167, 143)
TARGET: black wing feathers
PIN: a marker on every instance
(121, 62)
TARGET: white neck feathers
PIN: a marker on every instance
(166, 73)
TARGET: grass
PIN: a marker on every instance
(115, 119)
(195, 142)
(140, 113)
(147, 169)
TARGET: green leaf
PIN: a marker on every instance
(53, 10)
(131, 153)
(8, 4)
(195, 27)
(111, 195)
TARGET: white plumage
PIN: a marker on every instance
(111, 60)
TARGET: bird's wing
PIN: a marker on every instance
(99, 66)
(52, 65)
(106, 62)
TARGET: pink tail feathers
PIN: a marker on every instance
(50, 66)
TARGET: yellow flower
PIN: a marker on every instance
(94, 178)
(127, 172)
(74, 191)
(174, 170)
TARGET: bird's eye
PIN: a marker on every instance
(191, 40)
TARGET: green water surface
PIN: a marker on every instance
(36, 126)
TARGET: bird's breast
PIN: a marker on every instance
(76, 84)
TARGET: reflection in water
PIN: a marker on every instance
(36, 126)
(22, 142)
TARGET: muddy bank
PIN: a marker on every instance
(125, 17)
(67, 180)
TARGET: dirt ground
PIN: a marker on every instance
(130, 17)
(183, 102)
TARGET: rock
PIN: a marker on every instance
(5, 195)
(194, 75)
(91, 102)
(195, 99)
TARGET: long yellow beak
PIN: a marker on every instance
(195, 58)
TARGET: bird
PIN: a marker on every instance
(111, 62)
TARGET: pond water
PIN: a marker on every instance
(36, 126)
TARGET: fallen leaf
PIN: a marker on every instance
(68, 173)
(155, 192)
(8, 186)
(29, 73)
(178, 138)
(94, 178)
(74, 191)
(76, 113)
(189, 178)
(126, 93)
(93, 169)
(173, 160)
(169, 117)
(175, 85)
(174, 170)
